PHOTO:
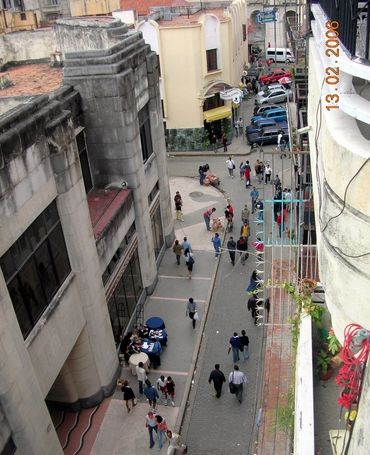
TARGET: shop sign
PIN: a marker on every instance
(232, 94)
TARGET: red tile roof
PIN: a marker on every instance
(33, 79)
(103, 207)
(143, 6)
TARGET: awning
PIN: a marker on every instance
(217, 114)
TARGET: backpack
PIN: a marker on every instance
(190, 260)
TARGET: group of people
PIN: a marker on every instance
(184, 248)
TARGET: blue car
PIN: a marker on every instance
(254, 127)
(279, 115)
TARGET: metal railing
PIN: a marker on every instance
(354, 29)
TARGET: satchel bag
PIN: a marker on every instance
(232, 386)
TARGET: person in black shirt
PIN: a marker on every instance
(218, 379)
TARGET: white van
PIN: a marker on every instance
(283, 55)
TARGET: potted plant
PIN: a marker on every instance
(334, 347)
(323, 365)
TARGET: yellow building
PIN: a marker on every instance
(92, 7)
(202, 52)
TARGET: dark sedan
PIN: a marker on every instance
(267, 136)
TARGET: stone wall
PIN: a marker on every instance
(28, 45)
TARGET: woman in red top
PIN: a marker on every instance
(247, 174)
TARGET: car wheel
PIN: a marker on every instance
(287, 61)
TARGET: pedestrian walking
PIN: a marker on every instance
(268, 172)
(231, 246)
(216, 241)
(186, 245)
(224, 141)
(253, 282)
(177, 249)
(252, 306)
(161, 387)
(214, 142)
(202, 173)
(258, 169)
(175, 443)
(161, 430)
(288, 200)
(245, 213)
(128, 395)
(207, 217)
(277, 183)
(189, 261)
(229, 216)
(141, 376)
(234, 347)
(151, 394)
(170, 387)
(247, 174)
(282, 218)
(259, 208)
(241, 126)
(218, 378)
(241, 170)
(191, 310)
(178, 205)
(237, 378)
(244, 233)
(230, 163)
(151, 425)
(244, 345)
(242, 247)
(254, 196)
(236, 128)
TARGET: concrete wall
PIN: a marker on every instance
(40, 163)
(24, 46)
(341, 152)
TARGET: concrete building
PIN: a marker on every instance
(339, 117)
(211, 38)
(85, 217)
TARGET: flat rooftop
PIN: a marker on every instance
(32, 79)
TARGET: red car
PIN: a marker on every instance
(274, 76)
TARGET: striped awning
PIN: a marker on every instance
(217, 114)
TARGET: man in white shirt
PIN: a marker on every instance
(238, 378)
(141, 376)
(230, 163)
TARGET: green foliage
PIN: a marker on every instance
(323, 361)
(285, 414)
(333, 344)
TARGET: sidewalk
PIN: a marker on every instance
(126, 433)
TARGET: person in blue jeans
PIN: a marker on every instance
(216, 245)
(234, 346)
(254, 197)
(151, 424)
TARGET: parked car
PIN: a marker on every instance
(264, 123)
(276, 96)
(279, 115)
(259, 110)
(271, 88)
(280, 54)
(267, 136)
(277, 74)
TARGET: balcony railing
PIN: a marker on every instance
(354, 25)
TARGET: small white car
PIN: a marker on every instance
(276, 96)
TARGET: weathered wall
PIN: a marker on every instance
(26, 46)
(341, 152)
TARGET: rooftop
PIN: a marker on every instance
(103, 207)
(32, 79)
(143, 6)
(193, 18)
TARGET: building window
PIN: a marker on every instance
(118, 254)
(162, 106)
(23, 16)
(157, 231)
(84, 160)
(153, 193)
(212, 60)
(244, 30)
(123, 301)
(159, 65)
(35, 267)
(145, 135)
